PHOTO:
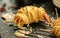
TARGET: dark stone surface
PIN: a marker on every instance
(8, 32)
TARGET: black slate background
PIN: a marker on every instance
(7, 32)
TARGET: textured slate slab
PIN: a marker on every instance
(7, 32)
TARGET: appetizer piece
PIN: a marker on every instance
(56, 28)
(30, 14)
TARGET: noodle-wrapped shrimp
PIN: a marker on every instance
(29, 14)
(35, 13)
(56, 28)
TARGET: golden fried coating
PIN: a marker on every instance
(41, 12)
(21, 19)
(56, 28)
(29, 14)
